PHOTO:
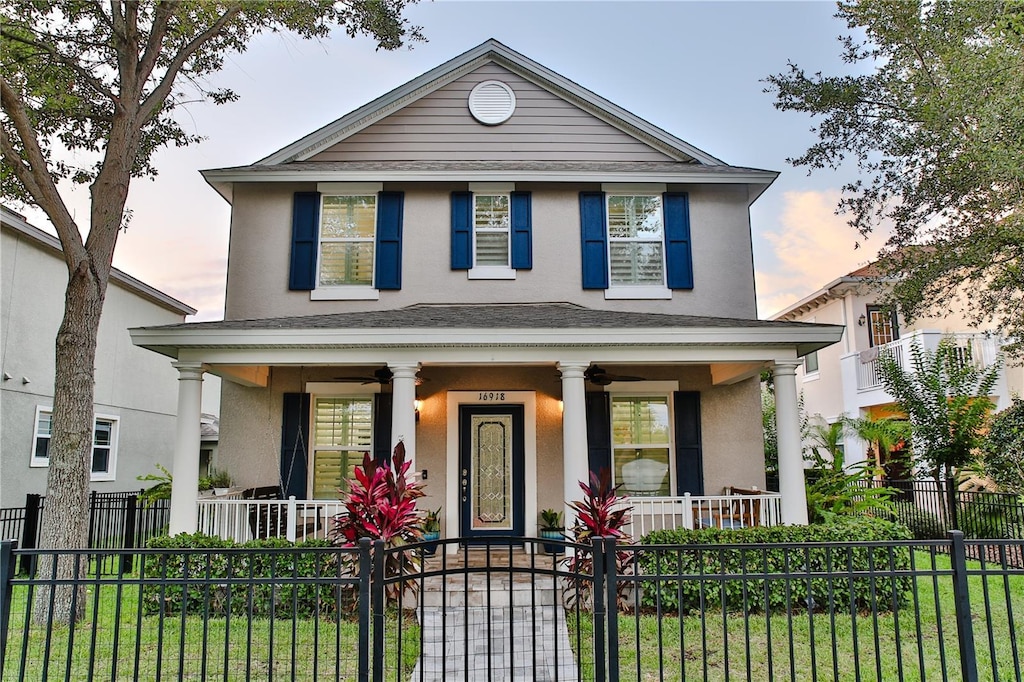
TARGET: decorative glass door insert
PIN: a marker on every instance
(491, 464)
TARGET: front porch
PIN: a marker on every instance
(295, 520)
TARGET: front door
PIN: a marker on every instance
(491, 457)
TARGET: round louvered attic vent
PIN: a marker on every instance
(492, 102)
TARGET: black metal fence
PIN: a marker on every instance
(930, 509)
(858, 611)
(118, 520)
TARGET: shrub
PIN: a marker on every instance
(788, 568)
(240, 592)
(1003, 448)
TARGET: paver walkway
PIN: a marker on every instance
(499, 625)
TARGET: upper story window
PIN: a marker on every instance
(636, 237)
(491, 231)
(811, 363)
(882, 326)
(636, 241)
(491, 228)
(346, 241)
(104, 444)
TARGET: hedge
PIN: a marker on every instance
(279, 594)
(780, 572)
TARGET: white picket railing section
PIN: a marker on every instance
(978, 350)
(243, 520)
(702, 511)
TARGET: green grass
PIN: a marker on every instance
(712, 646)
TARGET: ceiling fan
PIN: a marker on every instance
(597, 375)
(380, 376)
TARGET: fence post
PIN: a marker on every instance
(6, 589)
(131, 513)
(92, 517)
(951, 503)
(378, 603)
(599, 593)
(365, 568)
(962, 604)
(30, 530)
(611, 576)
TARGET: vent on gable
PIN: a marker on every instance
(492, 102)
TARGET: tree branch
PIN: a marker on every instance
(40, 185)
(72, 63)
(160, 93)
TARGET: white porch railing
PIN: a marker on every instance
(704, 511)
(244, 520)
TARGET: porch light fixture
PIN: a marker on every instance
(417, 405)
(861, 321)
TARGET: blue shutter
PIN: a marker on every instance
(689, 459)
(462, 230)
(678, 255)
(388, 273)
(522, 231)
(294, 444)
(305, 232)
(595, 240)
(382, 403)
(599, 431)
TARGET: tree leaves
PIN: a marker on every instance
(934, 128)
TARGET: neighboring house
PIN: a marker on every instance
(844, 379)
(135, 394)
(520, 280)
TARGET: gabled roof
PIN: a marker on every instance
(17, 223)
(687, 163)
(489, 51)
(837, 288)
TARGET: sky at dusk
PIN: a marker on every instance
(691, 68)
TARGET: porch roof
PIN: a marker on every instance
(486, 325)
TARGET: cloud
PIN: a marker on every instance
(812, 247)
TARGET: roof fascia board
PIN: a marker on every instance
(48, 242)
(828, 291)
(453, 69)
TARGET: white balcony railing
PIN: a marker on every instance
(978, 349)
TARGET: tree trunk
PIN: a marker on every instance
(66, 513)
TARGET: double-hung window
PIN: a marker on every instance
(641, 444)
(342, 432)
(346, 241)
(636, 241)
(491, 233)
(347, 235)
(104, 444)
(636, 238)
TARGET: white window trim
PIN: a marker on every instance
(638, 291)
(115, 433)
(354, 292)
(491, 189)
(331, 389)
(627, 389)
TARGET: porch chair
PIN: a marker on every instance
(745, 510)
(265, 521)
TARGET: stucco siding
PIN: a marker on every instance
(260, 246)
(439, 126)
(133, 384)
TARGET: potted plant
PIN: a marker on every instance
(219, 481)
(551, 528)
(431, 530)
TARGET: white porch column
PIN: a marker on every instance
(185, 467)
(575, 466)
(403, 409)
(791, 462)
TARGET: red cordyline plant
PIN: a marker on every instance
(601, 513)
(381, 505)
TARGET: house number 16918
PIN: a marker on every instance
(491, 396)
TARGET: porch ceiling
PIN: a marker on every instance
(494, 333)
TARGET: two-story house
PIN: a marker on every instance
(135, 392)
(844, 379)
(520, 280)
